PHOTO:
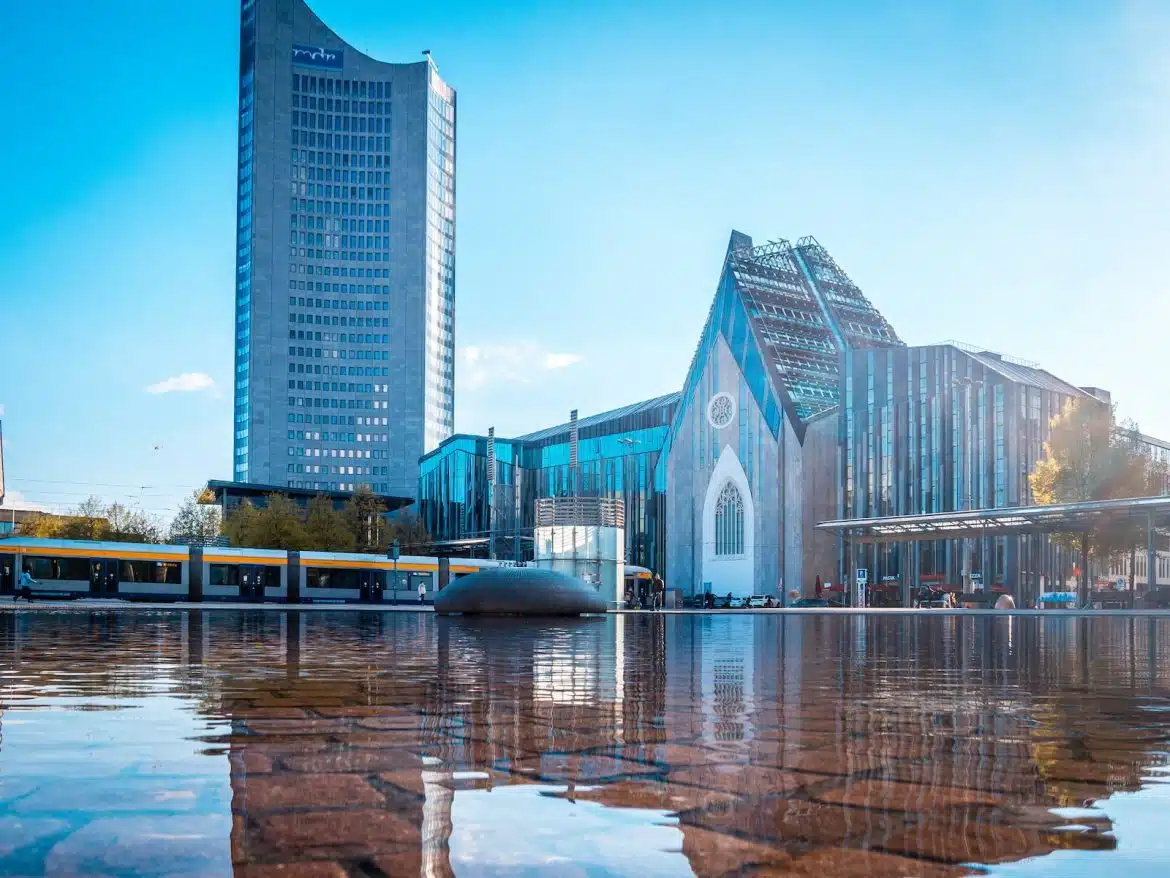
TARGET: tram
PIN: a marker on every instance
(66, 569)
(638, 584)
(70, 569)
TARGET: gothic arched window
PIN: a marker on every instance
(729, 522)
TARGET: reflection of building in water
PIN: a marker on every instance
(438, 794)
(354, 735)
(726, 677)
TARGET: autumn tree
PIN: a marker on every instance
(1089, 457)
(88, 522)
(364, 516)
(279, 524)
(44, 526)
(125, 524)
(411, 533)
(197, 522)
(326, 528)
(95, 520)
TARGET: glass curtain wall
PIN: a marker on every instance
(616, 457)
(940, 429)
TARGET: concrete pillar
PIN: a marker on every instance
(1151, 556)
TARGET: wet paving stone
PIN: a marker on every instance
(289, 791)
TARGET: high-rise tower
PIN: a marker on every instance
(345, 263)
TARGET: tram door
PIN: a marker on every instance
(371, 585)
(251, 582)
(103, 577)
(7, 574)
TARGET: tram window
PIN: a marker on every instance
(269, 576)
(421, 578)
(75, 569)
(224, 574)
(231, 575)
(323, 577)
(160, 572)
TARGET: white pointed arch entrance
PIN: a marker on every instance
(729, 529)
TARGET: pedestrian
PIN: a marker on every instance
(26, 584)
(422, 591)
(659, 592)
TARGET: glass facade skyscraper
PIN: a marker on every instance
(345, 262)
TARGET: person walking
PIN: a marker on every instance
(26, 584)
(659, 592)
(422, 591)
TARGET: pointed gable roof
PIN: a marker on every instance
(786, 314)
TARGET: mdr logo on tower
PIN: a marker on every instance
(314, 56)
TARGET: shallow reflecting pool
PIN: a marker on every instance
(142, 742)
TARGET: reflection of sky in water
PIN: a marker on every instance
(1141, 823)
(513, 830)
(105, 785)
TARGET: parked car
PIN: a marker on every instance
(812, 602)
(757, 601)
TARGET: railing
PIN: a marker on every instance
(587, 511)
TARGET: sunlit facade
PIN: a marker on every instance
(940, 428)
(617, 452)
(344, 350)
(750, 464)
(721, 482)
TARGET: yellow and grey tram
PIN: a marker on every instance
(131, 571)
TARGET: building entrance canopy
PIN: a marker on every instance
(1012, 521)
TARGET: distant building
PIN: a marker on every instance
(477, 494)
(228, 496)
(11, 518)
(345, 262)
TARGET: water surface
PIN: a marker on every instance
(353, 743)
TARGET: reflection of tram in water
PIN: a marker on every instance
(134, 571)
(639, 582)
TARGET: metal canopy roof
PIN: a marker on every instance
(1012, 521)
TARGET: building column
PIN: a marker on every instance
(1151, 555)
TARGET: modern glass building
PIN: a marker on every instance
(479, 493)
(942, 428)
(718, 480)
(345, 262)
(750, 460)
(801, 405)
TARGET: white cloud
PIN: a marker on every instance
(188, 382)
(561, 361)
(519, 363)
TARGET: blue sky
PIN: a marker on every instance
(990, 172)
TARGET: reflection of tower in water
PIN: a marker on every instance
(727, 679)
(438, 796)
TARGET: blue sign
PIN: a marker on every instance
(314, 56)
